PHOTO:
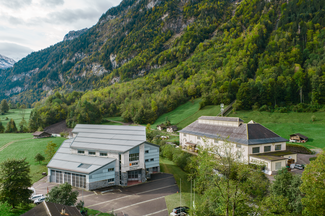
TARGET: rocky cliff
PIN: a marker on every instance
(74, 34)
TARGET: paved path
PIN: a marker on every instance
(9, 143)
(138, 200)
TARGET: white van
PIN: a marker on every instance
(35, 197)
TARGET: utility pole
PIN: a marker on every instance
(180, 194)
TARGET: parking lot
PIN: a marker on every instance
(138, 200)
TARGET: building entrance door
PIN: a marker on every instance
(133, 175)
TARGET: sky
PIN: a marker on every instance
(32, 25)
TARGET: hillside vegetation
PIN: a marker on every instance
(160, 54)
(285, 124)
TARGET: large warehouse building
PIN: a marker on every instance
(104, 155)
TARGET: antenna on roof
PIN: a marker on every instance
(222, 108)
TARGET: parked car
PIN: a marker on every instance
(39, 200)
(35, 197)
(181, 210)
(299, 166)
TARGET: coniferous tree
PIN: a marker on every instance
(2, 128)
(11, 127)
(4, 106)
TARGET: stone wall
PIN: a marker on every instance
(98, 184)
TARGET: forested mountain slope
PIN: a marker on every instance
(163, 53)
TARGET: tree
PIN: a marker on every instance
(287, 185)
(39, 158)
(23, 125)
(50, 150)
(313, 186)
(2, 129)
(228, 186)
(4, 106)
(5, 209)
(63, 194)
(14, 182)
(11, 127)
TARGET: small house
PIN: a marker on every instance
(58, 128)
(48, 209)
(161, 127)
(41, 134)
(297, 137)
(171, 128)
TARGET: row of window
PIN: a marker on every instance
(92, 153)
(111, 170)
(110, 180)
(147, 160)
(266, 149)
(134, 157)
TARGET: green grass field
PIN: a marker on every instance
(6, 138)
(174, 200)
(16, 115)
(116, 118)
(28, 148)
(186, 114)
(285, 124)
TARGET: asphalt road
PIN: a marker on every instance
(138, 200)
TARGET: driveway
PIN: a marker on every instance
(138, 200)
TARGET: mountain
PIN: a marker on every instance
(6, 62)
(74, 34)
(146, 57)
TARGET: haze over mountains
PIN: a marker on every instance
(6, 62)
(263, 50)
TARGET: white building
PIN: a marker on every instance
(256, 143)
(103, 155)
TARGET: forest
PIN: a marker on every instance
(267, 55)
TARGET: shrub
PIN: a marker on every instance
(312, 158)
(313, 118)
(264, 108)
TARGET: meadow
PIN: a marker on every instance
(16, 115)
(24, 146)
(285, 124)
(186, 114)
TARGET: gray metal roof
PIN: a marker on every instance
(248, 134)
(65, 160)
(218, 118)
(108, 138)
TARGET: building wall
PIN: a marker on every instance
(103, 173)
(125, 163)
(283, 147)
(283, 164)
(153, 153)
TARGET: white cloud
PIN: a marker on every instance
(40, 23)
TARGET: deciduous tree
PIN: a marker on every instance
(11, 127)
(63, 194)
(14, 182)
(39, 158)
(4, 106)
(313, 186)
(50, 150)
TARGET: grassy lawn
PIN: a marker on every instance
(6, 138)
(173, 200)
(179, 114)
(211, 110)
(116, 118)
(111, 123)
(285, 124)
(16, 115)
(28, 148)
(92, 212)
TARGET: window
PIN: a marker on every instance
(277, 165)
(136, 163)
(198, 138)
(147, 151)
(238, 146)
(81, 152)
(278, 147)
(256, 150)
(110, 180)
(111, 170)
(91, 153)
(103, 154)
(152, 159)
(134, 157)
(267, 148)
(147, 160)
